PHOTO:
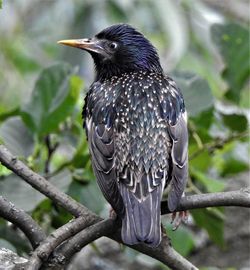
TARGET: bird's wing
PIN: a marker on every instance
(179, 154)
(173, 110)
(99, 127)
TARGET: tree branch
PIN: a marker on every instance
(217, 143)
(232, 198)
(110, 228)
(23, 221)
(164, 253)
(239, 198)
(42, 253)
(167, 255)
(80, 240)
(41, 184)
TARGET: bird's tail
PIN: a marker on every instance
(141, 222)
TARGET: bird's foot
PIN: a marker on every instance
(178, 218)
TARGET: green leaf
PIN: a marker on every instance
(7, 245)
(204, 120)
(182, 240)
(89, 195)
(25, 196)
(236, 122)
(211, 184)
(53, 99)
(212, 222)
(6, 115)
(4, 171)
(232, 159)
(41, 212)
(232, 41)
(20, 56)
(202, 161)
(245, 97)
(11, 235)
(17, 137)
(115, 11)
(233, 166)
(196, 91)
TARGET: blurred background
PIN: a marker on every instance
(203, 45)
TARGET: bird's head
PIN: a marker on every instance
(118, 49)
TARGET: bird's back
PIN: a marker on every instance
(133, 115)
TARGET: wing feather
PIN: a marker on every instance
(173, 110)
(102, 153)
(179, 155)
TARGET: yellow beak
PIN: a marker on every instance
(85, 44)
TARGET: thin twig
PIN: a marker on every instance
(23, 221)
(51, 149)
(217, 144)
(42, 253)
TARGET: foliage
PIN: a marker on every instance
(53, 99)
(44, 126)
(232, 40)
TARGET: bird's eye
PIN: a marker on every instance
(113, 45)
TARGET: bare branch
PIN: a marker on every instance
(239, 198)
(42, 185)
(64, 253)
(167, 255)
(232, 198)
(42, 253)
(23, 221)
(163, 253)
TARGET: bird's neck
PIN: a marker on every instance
(106, 70)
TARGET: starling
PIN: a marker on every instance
(136, 127)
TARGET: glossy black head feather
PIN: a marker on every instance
(132, 52)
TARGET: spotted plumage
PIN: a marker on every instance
(136, 128)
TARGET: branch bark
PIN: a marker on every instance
(240, 198)
(111, 228)
(232, 198)
(164, 253)
(41, 184)
(46, 247)
(73, 207)
(23, 221)
(64, 252)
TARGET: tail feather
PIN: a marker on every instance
(141, 222)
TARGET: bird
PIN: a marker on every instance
(136, 127)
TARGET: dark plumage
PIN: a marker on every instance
(136, 127)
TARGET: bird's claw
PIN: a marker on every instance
(178, 218)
